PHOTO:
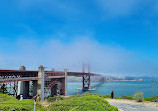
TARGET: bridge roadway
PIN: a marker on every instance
(7, 76)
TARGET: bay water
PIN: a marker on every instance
(128, 88)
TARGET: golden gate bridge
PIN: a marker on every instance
(41, 82)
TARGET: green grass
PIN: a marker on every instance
(153, 99)
(56, 98)
(108, 96)
(122, 97)
(8, 103)
(84, 102)
(127, 97)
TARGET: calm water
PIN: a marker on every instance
(119, 87)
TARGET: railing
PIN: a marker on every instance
(18, 79)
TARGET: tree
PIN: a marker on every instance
(3, 89)
(139, 96)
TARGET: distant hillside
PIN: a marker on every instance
(107, 78)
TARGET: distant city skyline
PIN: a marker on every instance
(117, 37)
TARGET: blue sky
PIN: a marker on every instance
(115, 36)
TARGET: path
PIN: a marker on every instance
(127, 105)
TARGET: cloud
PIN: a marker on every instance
(73, 8)
(117, 7)
(56, 54)
(125, 8)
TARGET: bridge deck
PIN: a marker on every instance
(17, 75)
(18, 79)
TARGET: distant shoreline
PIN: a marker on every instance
(128, 80)
(107, 81)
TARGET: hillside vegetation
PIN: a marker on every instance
(152, 99)
(84, 102)
(8, 103)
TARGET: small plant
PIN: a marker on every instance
(139, 96)
(128, 97)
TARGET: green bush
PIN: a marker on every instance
(128, 97)
(139, 96)
(83, 102)
(5, 97)
(8, 103)
(3, 89)
(153, 99)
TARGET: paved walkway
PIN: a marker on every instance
(127, 105)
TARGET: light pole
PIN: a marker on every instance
(153, 81)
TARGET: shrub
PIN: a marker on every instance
(128, 97)
(153, 99)
(5, 97)
(139, 96)
(3, 89)
(8, 103)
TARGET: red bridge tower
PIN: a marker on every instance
(86, 79)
